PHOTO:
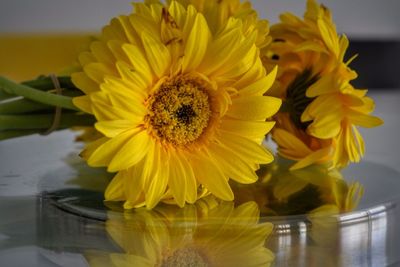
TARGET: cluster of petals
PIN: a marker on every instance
(310, 55)
(127, 75)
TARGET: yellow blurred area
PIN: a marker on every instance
(25, 57)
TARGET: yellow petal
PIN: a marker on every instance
(317, 108)
(312, 158)
(102, 53)
(114, 128)
(97, 71)
(219, 51)
(139, 62)
(178, 12)
(86, 58)
(196, 45)
(291, 143)
(92, 146)
(354, 143)
(254, 107)
(240, 60)
(329, 36)
(157, 54)
(124, 89)
(103, 155)
(212, 177)
(159, 181)
(131, 152)
(83, 103)
(251, 129)
(117, 51)
(191, 184)
(325, 127)
(84, 83)
(106, 112)
(246, 149)
(115, 189)
(324, 85)
(136, 81)
(133, 184)
(261, 86)
(177, 180)
(233, 166)
(255, 73)
(129, 33)
(364, 120)
(142, 24)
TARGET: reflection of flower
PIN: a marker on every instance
(313, 189)
(172, 99)
(322, 109)
(207, 234)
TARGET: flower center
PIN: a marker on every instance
(296, 99)
(179, 111)
(185, 257)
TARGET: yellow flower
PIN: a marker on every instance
(207, 234)
(322, 109)
(182, 108)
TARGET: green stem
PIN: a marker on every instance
(45, 83)
(22, 105)
(43, 121)
(4, 95)
(36, 95)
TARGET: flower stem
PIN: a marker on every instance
(21, 105)
(43, 121)
(45, 83)
(46, 98)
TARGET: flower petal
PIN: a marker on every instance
(254, 107)
(177, 180)
(131, 152)
(103, 155)
(113, 128)
(196, 44)
(211, 176)
(157, 54)
(233, 166)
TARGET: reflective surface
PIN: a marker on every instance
(52, 214)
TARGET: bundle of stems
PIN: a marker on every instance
(30, 107)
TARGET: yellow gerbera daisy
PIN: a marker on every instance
(181, 107)
(322, 109)
(200, 235)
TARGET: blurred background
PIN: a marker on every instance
(44, 36)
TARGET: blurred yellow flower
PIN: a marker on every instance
(322, 109)
(181, 107)
(206, 234)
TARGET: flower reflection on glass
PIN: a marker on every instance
(310, 190)
(210, 233)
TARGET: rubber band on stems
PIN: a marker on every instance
(57, 113)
